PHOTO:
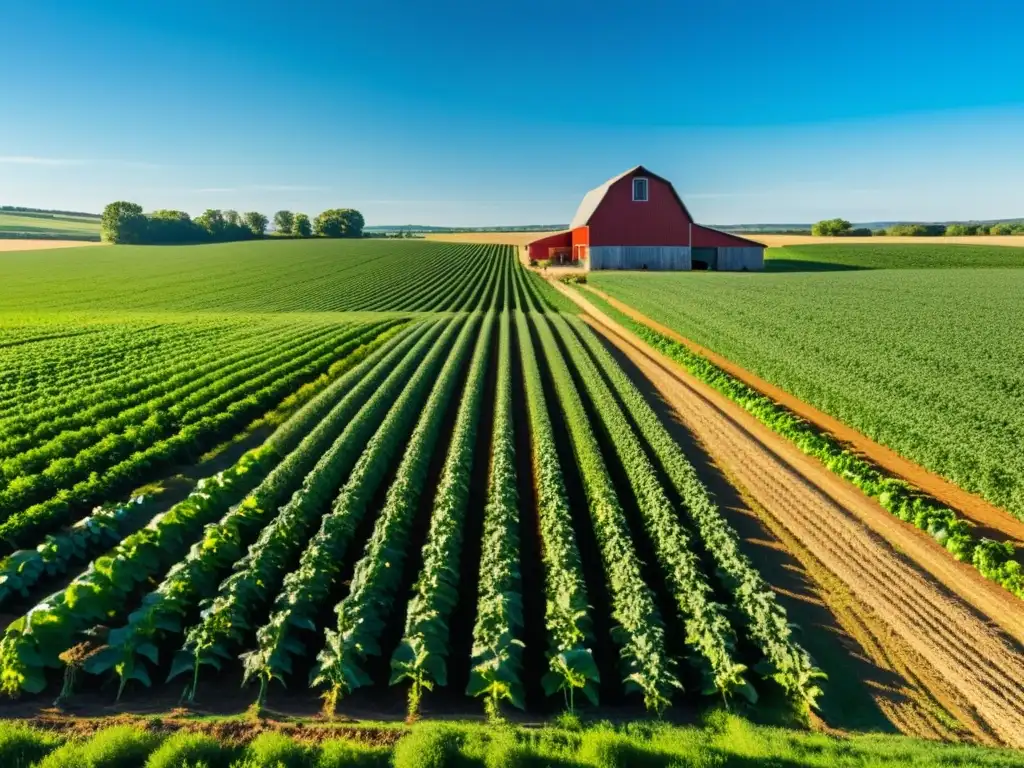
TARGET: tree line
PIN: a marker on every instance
(126, 223)
(843, 228)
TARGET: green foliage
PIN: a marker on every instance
(275, 750)
(766, 623)
(804, 258)
(348, 424)
(189, 750)
(927, 374)
(571, 666)
(339, 222)
(496, 664)
(364, 613)
(339, 753)
(640, 633)
(831, 227)
(916, 230)
(123, 222)
(430, 745)
(709, 636)
(120, 746)
(284, 221)
(21, 746)
(301, 226)
(256, 223)
(993, 560)
(306, 588)
(421, 656)
(260, 276)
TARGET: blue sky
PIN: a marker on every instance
(470, 113)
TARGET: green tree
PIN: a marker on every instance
(301, 227)
(231, 217)
(168, 226)
(831, 227)
(1000, 229)
(123, 222)
(256, 222)
(957, 230)
(339, 222)
(212, 220)
(284, 221)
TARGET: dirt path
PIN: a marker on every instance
(850, 535)
(992, 521)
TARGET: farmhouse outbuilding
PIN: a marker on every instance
(637, 220)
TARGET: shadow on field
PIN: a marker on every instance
(799, 265)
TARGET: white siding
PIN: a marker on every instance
(655, 257)
(738, 259)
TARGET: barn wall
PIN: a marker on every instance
(659, 221)
(739, 259)
(540, 249)
(655, 257)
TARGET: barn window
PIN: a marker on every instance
(639, 190)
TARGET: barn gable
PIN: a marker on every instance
(593, 199)
(627, 223)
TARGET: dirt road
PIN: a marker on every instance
(993, 522)
(889, 566)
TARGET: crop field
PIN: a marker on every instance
(48, 225)
(264, 276)
(834, 257)
(453, 492)
(376, 479)
(924, 361)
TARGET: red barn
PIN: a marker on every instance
(638, 221)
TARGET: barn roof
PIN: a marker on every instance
(593, 198)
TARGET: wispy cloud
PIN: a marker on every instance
(32, 160)
(286, 188)
(261, 188)
(55, 162)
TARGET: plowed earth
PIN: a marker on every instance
(968, 630)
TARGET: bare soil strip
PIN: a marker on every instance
(902, 581)
(994, 521)
(18, 244)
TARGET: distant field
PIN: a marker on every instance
(502, 238)
(312, 275)
(925, 361)
(775, 241)
(833, 256)
(47, 225)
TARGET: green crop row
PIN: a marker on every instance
(640, 633)
(163, 610)
(35, 641)
(571, 665)
(496, 661)
(363, 614)
(766, 622)
(709, 636)
(305, 590)
(421, 655)
(230, 614)
(67, 459)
